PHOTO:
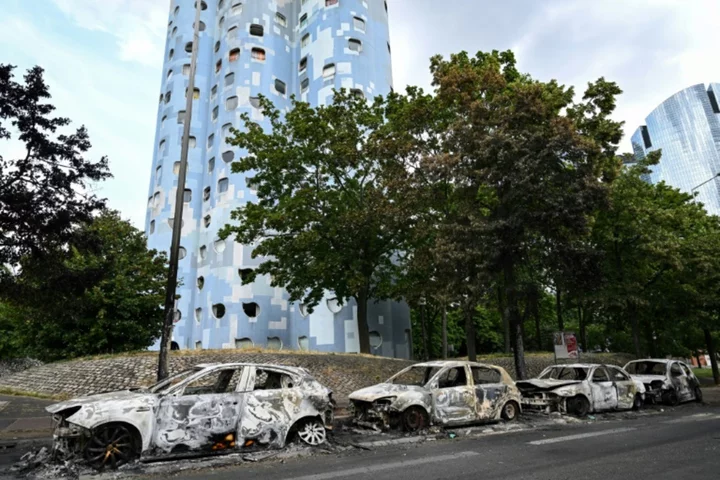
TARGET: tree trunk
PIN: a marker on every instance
(515, 320)
(470, 334)
(583, 331)
(558, 308)
(423, 328)
(635, 331)
(363, 332)
(444, 332)
(505, 319)
(697, 358)
(710, 343)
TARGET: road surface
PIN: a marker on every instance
(682, 444)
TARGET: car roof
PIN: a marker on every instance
(296, 370)
(656, 360)
(454, 363)
(578, 365)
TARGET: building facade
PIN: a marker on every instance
(276, 48)
(686, 127)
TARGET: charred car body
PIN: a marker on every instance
(668, 381)
(205, 409)
(581, 389)
(440, 393)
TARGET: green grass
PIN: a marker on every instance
(703, 372)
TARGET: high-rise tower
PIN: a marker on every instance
(686, 127)
(276, 48)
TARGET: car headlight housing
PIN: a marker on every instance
(566, 392)
(385, 401)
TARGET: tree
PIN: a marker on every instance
(324, 218)
(47, 191)
(101, 292)
(529, 165)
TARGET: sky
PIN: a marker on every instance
(103, 59)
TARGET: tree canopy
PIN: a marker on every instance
(46, 190)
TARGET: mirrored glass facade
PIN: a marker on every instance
(686, 127)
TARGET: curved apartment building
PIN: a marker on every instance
(276, 48)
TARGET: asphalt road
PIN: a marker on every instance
(677, 445)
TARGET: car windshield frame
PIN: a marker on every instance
(545, 375)
(430, 373)
(632, 370)
(164, 386)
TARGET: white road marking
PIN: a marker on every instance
(387, 466)
(581, 436)
(3, 405)
(694, 418)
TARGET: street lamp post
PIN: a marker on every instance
(703, 183)
(169, 317)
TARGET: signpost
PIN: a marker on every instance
(566, 346)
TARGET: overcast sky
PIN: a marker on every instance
(103, 58)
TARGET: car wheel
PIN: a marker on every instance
(111, 445)
(312, 432)
(510, 411)
(578, 405)
(698, 395)
(671, 398)
(638, 402)
(414, 419)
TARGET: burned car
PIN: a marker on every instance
(209, 408)
(666, 381)
(581, 389)
(440, 393)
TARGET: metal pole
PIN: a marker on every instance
(163, 363)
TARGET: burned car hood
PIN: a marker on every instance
(538, 384)
(381, 390)
(120, 396)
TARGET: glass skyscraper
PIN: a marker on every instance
(277, 48)
(686, 127)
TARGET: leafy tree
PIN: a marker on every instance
(46, 191)
(101, 292)
(527, 165)
(324, 218)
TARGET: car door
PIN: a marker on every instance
(201, 413)
(625, 387)
(681, 382)
(693, 382)
(272, 398)
(604, 394)
(454, 400)
(488, 387)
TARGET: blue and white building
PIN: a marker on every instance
(686, 127)
(276, 48)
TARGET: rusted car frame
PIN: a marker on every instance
(210, 408)
(439, 393)
(581, 389)
(667, 381)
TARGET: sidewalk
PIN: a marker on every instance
(24, 418)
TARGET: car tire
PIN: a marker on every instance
(312, 432)
(110, 446)
(415, 419)
(638, 402)
(578, 405)
(698, 395)
(510, 411)
(670, 398)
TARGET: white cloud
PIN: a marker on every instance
(139, 26)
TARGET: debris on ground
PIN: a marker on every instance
(38, 465)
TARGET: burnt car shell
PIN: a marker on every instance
(666, 381)
(210, 408)
(441, 393)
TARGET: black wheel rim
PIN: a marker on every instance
(110, 447)
(414, 420)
